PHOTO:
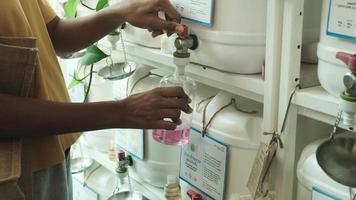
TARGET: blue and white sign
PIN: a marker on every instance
(198, 11)
(318, 194)
(203, 164)
(342, 19)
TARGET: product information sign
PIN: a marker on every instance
(198, 11)
(203, 164)
(132, 141)
(342, 19)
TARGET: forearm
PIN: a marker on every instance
(23, 117)
(73, 35)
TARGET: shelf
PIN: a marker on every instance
(316, 103)
(250, 86)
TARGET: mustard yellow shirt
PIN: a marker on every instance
(24, 18)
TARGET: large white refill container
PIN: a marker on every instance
(159, 160)
(330, 69)
(313, 182)
(235, 40)
(240, 132)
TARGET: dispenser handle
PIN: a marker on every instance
(348, 59)
(194, 195)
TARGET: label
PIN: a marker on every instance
(83, 192)
(132, 141)
(260, 168)
(318, 194)
(342, 19)
(203, 164)
(198, 11)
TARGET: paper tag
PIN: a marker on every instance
(318, 194)
(198, 11)
(203, 164)
(260, 168)
(342, 19)
(132, 141)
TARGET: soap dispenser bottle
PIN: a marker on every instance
(181, 56)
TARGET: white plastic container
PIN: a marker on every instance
(160, 160)
(241, 132)
(313, 182)
(330, 69)
(236, 41)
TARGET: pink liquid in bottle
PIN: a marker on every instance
(179, 136)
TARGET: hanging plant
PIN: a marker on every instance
(92, 54)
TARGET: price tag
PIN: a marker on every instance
(132, 141)
(318, 194)
(203, 164)
(260, 168)
(342, 19)
(198, 11)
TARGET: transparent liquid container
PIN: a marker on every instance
(180, 135)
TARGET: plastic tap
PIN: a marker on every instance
(124, 160)
(194, 195)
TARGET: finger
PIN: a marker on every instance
(157, 23)
(172, 92)
(187, 109)
(170, 11)
(167, 125)
(173, 103)
(168, 113)
(156, 33)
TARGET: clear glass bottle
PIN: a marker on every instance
(172, 188)
(180, 135)
(123, 182)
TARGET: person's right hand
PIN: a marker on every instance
(144, 14)
(148, 110)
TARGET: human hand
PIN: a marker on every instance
(144, 14)
(148, 110)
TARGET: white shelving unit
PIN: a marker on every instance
(316, 103)
(283, 65)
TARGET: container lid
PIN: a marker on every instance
(311, 175)
(230, 125)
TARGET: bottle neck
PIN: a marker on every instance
(180, 71)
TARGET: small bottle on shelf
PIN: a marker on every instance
(123, 182)
(172, 188)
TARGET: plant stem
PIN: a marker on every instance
(89, 84)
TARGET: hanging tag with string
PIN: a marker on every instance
(264, 158)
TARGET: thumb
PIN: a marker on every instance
(169, 26)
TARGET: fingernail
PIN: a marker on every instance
(189, 100)
(179, 29)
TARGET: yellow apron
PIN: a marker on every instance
(18, 60)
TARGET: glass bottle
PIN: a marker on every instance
(123, 183)
(180, 135)
(172, 188)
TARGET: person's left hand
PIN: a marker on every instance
(144, 14)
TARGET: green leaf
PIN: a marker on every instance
(70, 9)
(101, 4)
(75, 81)
(93, 54)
